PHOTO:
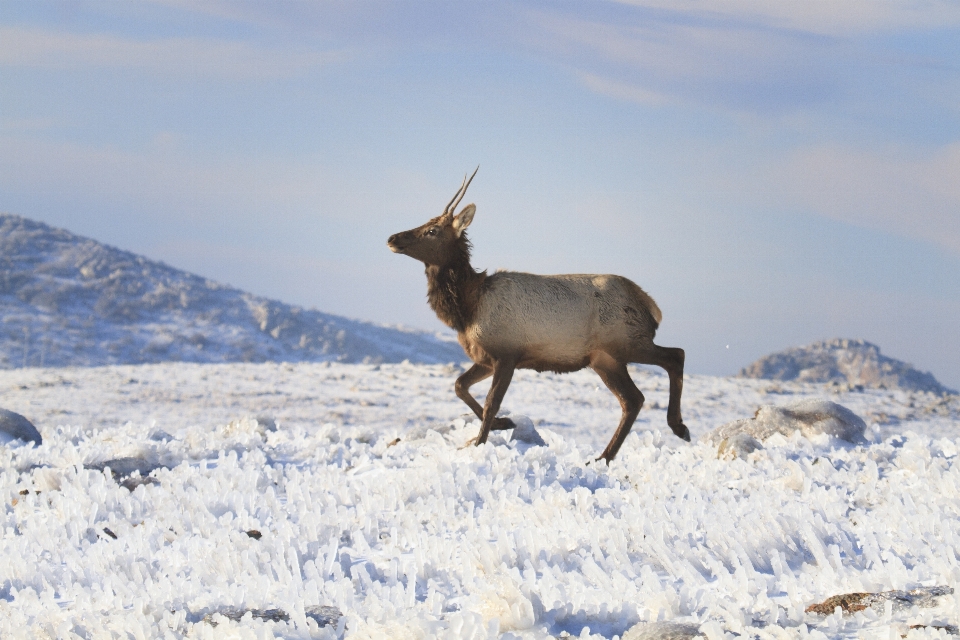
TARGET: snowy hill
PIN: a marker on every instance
(67, 300)
(852, 362)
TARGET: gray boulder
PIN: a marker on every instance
(16, 426)
(810, 417)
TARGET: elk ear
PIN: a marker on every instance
(463, 219)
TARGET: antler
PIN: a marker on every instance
(458, 196)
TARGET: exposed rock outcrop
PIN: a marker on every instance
(851, 362)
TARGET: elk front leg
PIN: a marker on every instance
(502, 375)
(472, 376)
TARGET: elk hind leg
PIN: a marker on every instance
(670, 359)
(615, 375)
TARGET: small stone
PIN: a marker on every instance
(663, 631)
(323, 615)
(267, 423)
(739, 445)
(950, 629)
(524, 431)
(125, 467)
(236, 613)
(159, 435)
(131, 483)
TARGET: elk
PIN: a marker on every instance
(562, 323)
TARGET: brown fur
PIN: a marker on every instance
(453, 289)
(512, 320)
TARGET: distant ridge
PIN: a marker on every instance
(67, 300)
(854, 362)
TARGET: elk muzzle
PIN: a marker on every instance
(396, 243)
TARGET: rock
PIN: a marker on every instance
(266, 423)
(945, 407)
(738, 445)
(855, 363)
(159, 435)
(949, 629)
(16, 426)
(324, 615)
(123, 467)
(924, 597)
(235, 614)
(809, 417)
(131, 471)
(131, 483)
(663, 631)
(524, 431)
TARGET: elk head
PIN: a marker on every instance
(440, 240)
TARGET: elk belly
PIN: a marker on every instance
(541, 322)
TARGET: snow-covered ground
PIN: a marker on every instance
(329, 526)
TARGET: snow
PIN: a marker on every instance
(375, 521)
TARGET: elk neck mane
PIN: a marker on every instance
(453, 288)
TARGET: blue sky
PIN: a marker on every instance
(773, 173)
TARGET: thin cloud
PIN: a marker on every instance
(58, 50)
(623, 90)
(168, 176)
(235, 11)
(897, 190)
(162, 175)
(817, 16)
(731, 66)
(24, 125)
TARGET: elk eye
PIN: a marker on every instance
(432, 231)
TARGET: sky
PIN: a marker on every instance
(772, 173)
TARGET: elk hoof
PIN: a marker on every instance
(474, 442)
(502, 424)
(681, 431)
